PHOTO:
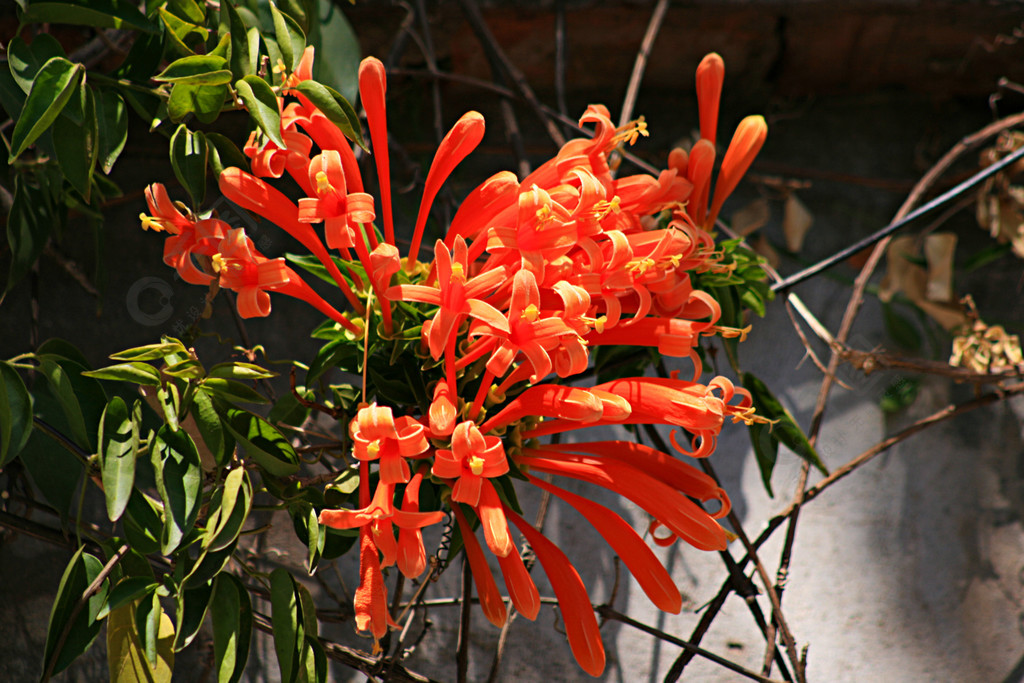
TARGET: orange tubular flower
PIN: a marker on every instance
(371, 598)
(462, 139)
(378, 435)
(473, 460)
(710, 76)
(490, 598)
(372, 88)
(457, 295)
(746, 143)
(581, 626)
(331, 204)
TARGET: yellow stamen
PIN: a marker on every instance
(323, 184)
(219, 263)
(606, 206)
(373, 448)
(280, 68)
(154, 223)
(531, 313)
(476, 465)
(630, 132)
(458, 272)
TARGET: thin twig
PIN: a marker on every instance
(607, 612)
(491, 46)
(465, 622)
(76, 610)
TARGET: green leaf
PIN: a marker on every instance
(205, 101)
(77, 144)
(53, 86)
(25, 59)
(28, 227)
(15, 414)
(263, 442)
(180, 30)
(148, 618)
(119, 447)
(120, 14)
(232, 627)
(242, 371)
(135, 372)
(125, 655)
(214, 434)
(178, 479)
(290, 37)
(64, 391)
(128, 590)
(151, 351)
(231, 505)
(196, 70)
(289, 638)
(209, 564)
(192, 605)
(112, 118)
(188, 159)
(190, 368)
(188, 9)
(231, 390)
(261, 102)
(142, 59)
(785, 428)
(83, 627)
(224, 153)
(766, 451)
(229, 19)
(332, 35)
(143, 523)
(900, 394)
(335, 107)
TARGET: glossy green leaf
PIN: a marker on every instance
(204, 101)
(229, 510)
(167, 398)
(231, 610)
(263, 442)
(150, 351)
(289, 637)
(119, 448)
(112, 119)
(209, 564)
(64, 391)
(302, 11)
(188, 9)
(192, 605)
(143, 523)
(332, 34)
(261, 103)
(190, 368)
(188, 159)
(230, 19)
(224, 153)
(125, 656)
(127, 590)
(77, 143)
(178, 475)
(12, 98)
(196, 70)
(179, 31)
(82, 627)
(766, 451)
(120, 14)
(242, 371)
(785, 428)
(290, 37)
(135, 372)
(29, 225)
(15, 414)
(25, 59)
(231, 390)
(314, 660)
(148, 617)
(335, 107)
(53, 86)
(215, 436)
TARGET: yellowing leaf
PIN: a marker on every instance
(125, 655)
(751, 217)
(939, 248)
(796, 221)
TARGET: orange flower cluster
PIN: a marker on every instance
(530, 276)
